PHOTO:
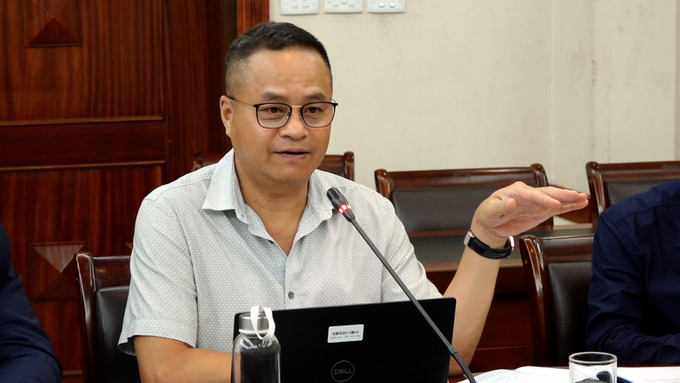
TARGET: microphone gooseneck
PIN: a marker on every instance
(340, 203)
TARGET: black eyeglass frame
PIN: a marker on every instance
(290, 107)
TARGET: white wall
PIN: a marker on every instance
(483, 83)
(635, 62)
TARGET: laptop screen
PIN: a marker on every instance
(377, 342)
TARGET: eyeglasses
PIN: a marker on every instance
(274, 115)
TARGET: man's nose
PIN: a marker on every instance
(295, 127)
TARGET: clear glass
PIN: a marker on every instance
(592, 367)
(275, 115)
(255, 360)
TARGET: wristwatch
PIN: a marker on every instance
(484, 250)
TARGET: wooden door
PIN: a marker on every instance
(101, 101)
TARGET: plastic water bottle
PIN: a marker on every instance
(256, 353)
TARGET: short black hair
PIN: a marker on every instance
(273, 36)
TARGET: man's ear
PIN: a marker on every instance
(226, 113)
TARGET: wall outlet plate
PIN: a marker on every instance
(386, 6)
(299, 7)
(343, 6)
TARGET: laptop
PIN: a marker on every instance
(380, 342)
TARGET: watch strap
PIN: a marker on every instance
(484, 250)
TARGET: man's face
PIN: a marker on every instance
(267, 157)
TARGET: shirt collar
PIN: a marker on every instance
(316, 196)
(224, 192)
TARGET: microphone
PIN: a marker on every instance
(340, 203)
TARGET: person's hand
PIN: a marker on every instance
(518, 208)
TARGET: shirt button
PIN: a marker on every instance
(291, 295)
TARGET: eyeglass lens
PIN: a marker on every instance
(315, 115)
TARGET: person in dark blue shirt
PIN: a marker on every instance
(26, 354)
(634, 299)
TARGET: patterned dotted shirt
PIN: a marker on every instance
(201, 255)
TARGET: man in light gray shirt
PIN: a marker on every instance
(257, 229)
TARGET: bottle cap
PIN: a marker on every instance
(245, 323)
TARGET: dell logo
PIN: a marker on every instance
(342, 371)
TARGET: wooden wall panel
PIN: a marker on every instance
(51, 23)
(78, 144)
(61, 322)
(186, 130)
(50, 213)
(194, 124)
(250, 13)
(115, 72)
(101, 101)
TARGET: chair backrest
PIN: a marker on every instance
(437, 200)
(610, 183)
(557, 273)
(103, 284)
(340, 164)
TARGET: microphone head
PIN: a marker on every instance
(340, 203)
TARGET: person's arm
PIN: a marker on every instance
(508, 211)
(618, 309)
(161, 314)
(26, 354)
(168, 360)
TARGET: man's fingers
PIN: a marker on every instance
(549, 197)
(566, 196)
(520, 201)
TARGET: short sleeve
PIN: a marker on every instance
(162, 298)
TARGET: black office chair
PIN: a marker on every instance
(103, 284)
(557, 273)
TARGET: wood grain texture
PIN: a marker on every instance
(250, 13)
(51, 22)
(60, 320)
(188, 81)
(116, 71)
(95, 206)
(218, 142)
(79, 144)
(97, 109)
